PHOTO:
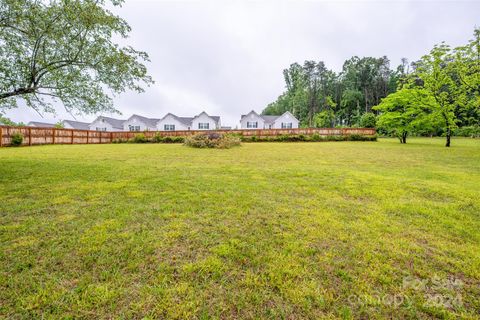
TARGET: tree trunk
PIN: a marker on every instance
(449, 134)
(403, 137)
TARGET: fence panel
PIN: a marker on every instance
(39, 136)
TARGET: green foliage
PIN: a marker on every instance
(212, 140)
(17, 139)
(65, 50)
(468, 131)
(304, 138)
(7, 122)
(167, 139)
(368, 120)
(320, 97)
(324, 119)
(406, 112)
(59, 125)
(139, 138)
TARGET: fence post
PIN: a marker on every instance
(53, 135)
(100, 132)
(71, 140)
(29, 136)
(1, 137)
(111, 137)
(87, 136)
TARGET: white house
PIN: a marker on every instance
(172, 122)
(139, 123)
(70, 124)
(202, 121)
(253, 120)
(106, 124)
(205, 122)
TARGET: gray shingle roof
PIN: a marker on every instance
(185, 120)
(244, 115)
(269, 119)
(115, 123)
(40, 124)
(151, 122)
(77, 124)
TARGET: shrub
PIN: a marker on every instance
(212, 140)
(157, 138)
(368, 120)
(119, 140)
(469, 131)
(139, 138)
(17, 139)
(316, 137)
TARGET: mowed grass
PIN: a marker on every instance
(265, 230)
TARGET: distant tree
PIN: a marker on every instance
(64, 50)
(368, 120)
(435, 72)
(59, 125)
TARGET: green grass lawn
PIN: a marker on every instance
(265, 230)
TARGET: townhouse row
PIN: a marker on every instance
(171, 122)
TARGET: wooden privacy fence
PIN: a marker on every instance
(38, 136)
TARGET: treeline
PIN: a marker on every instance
(320, 97)
(435, 95)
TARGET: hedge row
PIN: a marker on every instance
(312, 138)
(140, 138)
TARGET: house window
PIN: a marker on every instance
(169, 127)
(100, 129)
(203, 125)
(133, 128)
(252, 125)
(286, 125)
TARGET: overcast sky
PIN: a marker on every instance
(227, 57)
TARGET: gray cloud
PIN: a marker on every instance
(227, 57)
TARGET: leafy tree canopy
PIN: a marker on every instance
(64, 50)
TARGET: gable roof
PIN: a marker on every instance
(185, 120)
(215, 118)
(269, 119)
(245, 115)
(77, 124)
(151, 122)
(40, 124)
(115, 123)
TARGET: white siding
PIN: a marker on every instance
(134, 121)
(285, 118)
(252, 117)
(102, 125)
(203, 118)
(169, 120)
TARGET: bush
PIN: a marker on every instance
(212, 140)
(139, 138)
(119, 140)
(368, 120)
(470, 131)
(17, 139)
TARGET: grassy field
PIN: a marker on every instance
(265, 230)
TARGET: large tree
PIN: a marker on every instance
(407, 111)
(64, 50)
